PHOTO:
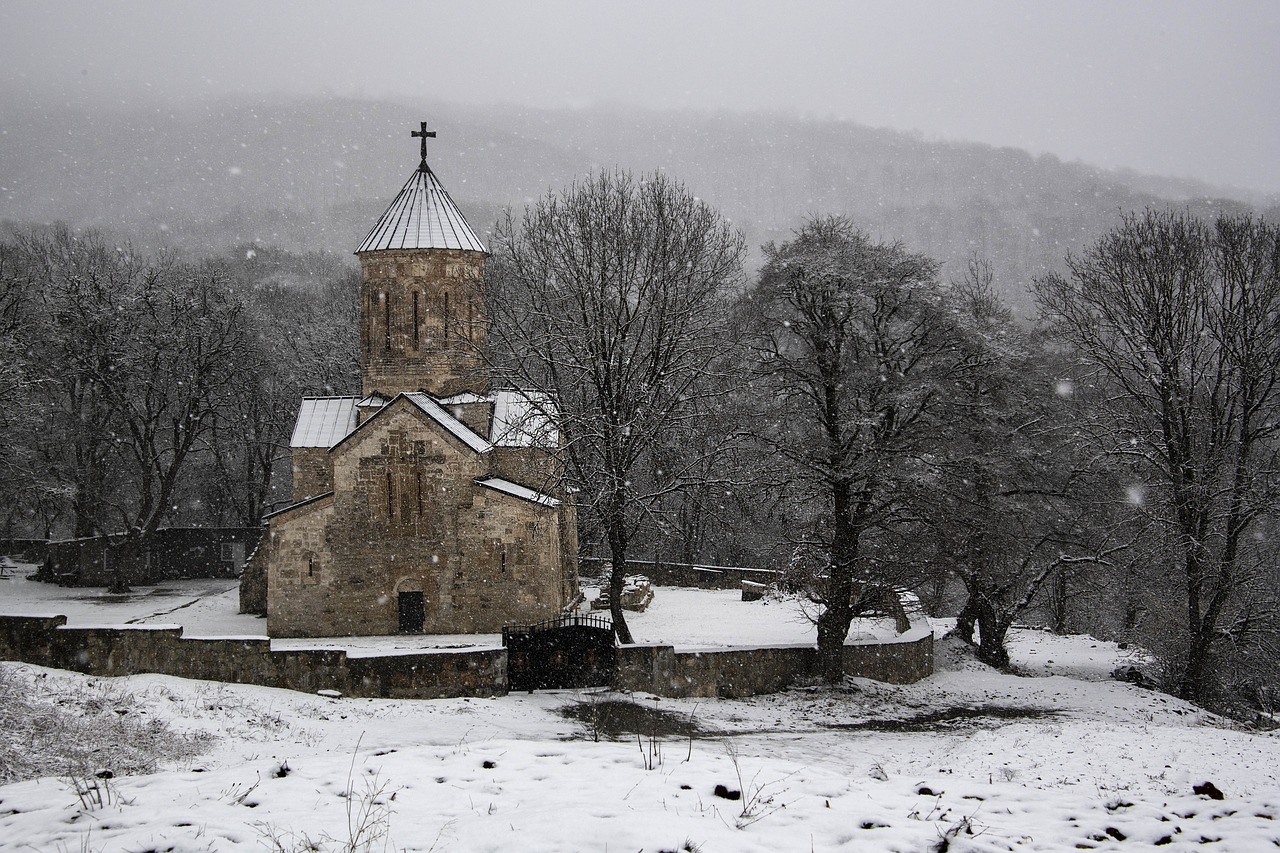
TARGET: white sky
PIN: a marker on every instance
(1182, 88)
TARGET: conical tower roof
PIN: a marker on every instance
(423, 216)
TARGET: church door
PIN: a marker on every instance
(412, 612)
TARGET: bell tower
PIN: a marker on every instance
(422, 317)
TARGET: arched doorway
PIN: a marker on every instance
(411, 605)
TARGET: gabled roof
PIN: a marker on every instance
(422, 216)
(457, 428)
(323, 421)
(518, 491)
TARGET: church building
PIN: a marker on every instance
(431, 503)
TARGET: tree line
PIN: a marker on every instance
(141, 390)
(849, 414)
(852, 417)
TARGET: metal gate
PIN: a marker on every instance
(568, 652)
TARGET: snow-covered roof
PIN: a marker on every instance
(422, 216)
(523, 419)
(461, 431)
(323, 421)
(517, 490)
(464, 398)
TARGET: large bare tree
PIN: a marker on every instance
(1180, 322)
(856, 358)
(609, 298)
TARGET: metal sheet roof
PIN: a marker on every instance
(523, 419)
(324, 421)
(461, 431)
(518, 491)
(423, 216)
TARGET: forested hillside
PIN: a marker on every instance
(313, 174)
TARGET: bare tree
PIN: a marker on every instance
(1006, 509)
(608, 298)
(135, 355)
(858, 354)
(300, 342)
(1180, 322)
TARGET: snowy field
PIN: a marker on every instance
(686, 618)
(967, 760)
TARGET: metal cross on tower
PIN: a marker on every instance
(424, 133)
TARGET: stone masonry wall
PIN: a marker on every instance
(45, 641)
(312, 472)
(656, 669)
(737, 673)
(422, 320)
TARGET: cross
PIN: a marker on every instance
(424, 133)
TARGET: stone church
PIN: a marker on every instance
(431, 502)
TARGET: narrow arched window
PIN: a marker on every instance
(386, 321)
(417, 341)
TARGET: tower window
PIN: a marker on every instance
(418, 477)
(386, 321)
(391, 506)
(416, 336)
(446, 316)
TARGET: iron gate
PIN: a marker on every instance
(568, 652)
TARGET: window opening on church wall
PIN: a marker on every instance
(446, 316)
(386, 321)
(417, 343)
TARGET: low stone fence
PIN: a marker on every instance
(657, 669)
(46, 641)
(736, 673)
(682, 574)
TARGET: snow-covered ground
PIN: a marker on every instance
(984, 761)
(686, 618)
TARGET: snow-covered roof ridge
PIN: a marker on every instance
(518, 491)
(422, 216)
(457, 428)
(323, 421)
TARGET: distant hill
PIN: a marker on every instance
(313, 174)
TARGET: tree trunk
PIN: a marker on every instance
(617, 572)
(837, 612)
(1060, 594)
(1193, 685)
(967, 619)
(992, 631)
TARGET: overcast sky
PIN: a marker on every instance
(1181, 88)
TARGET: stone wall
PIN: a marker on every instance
(46, 641)
(172, 553)
(422, 319)
(736, 673)
(312, 472)
(656, 669)
(684, 574)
